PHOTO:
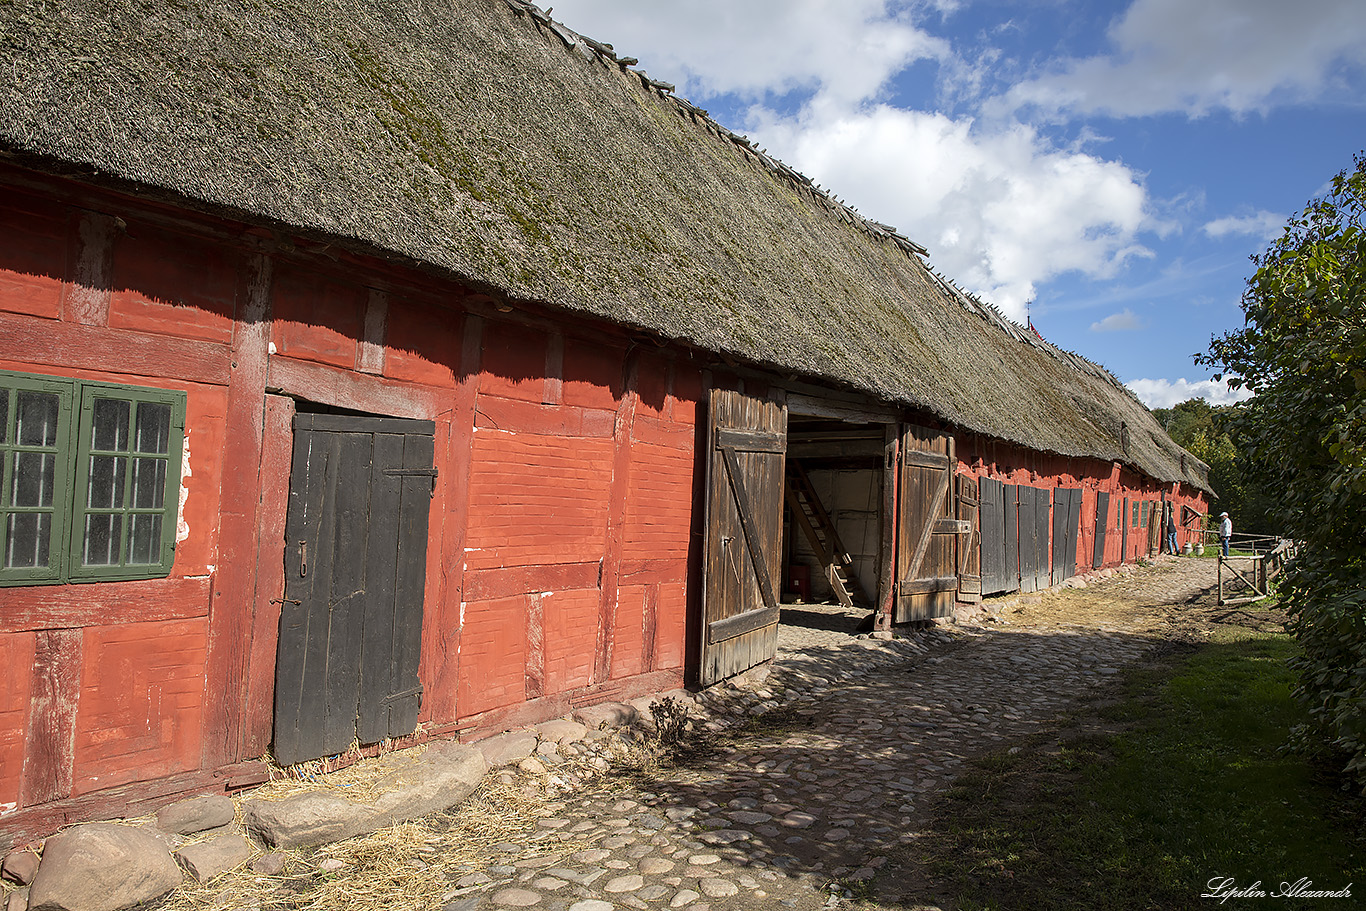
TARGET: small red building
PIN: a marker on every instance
(373, 374)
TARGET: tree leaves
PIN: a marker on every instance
(1303, 351)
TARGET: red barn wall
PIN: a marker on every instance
(563, 520)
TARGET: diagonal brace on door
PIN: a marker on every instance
(756, 554)
(941, 490)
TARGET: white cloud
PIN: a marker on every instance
(1237, 55)
(845, 51)
(1166, 393)
(1123, 321)
(1000, 209)
(1262, 225)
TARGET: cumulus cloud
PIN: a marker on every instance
(844, 51)
(999, 208)
(1262, 225)
(1166, 393)
(1123, 321)
(1235, 55)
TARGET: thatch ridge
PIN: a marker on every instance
(485, 140)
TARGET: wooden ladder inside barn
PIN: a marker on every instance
(825, 541)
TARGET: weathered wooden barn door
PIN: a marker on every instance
(742, 564)
(969, 555)
(1011, 500)
(927, 576)
(1066, 524)
(1034, 551)
(1124, 533)
(997, 574)
(1102, 520)
(355, 568)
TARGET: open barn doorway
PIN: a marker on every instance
(837, 524)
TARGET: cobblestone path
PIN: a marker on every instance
(795, 814)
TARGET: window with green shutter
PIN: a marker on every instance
(91, 473)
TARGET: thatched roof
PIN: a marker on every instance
(479, 137)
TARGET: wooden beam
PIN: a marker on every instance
(738, 625)
(370, 351)
(234, 582)
(87, 290)
(276, 456)
(886, 587)
(617, 492)
(442, 626)
(820, 407)
(70, 346)
(50, 748)
(44, 607)
(511, 581)
(750, 440)
(358, 392)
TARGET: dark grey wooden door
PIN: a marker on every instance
(1066, 523)
(1034, 515)
(1124, 533)
(1000, 573)
(1102, 520)
(743, 551)
(355, 571)
(1011, 504)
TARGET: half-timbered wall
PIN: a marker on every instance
(561, 520)
(563, 563)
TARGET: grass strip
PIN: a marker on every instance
(1181, 781)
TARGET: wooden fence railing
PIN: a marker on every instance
(1254, 572)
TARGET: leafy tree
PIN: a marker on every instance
(1211, 434)
(1303, 352)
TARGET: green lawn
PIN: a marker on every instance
(1193, 786)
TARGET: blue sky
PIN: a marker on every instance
(1104, 168)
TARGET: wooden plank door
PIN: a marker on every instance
(1102, 521)
(995, 575)
(1039, 514)
(1072, 529)
(1029, 544)
(1011, 501)
(1124, 533)
(927, 576)
(1059, 536)
(969, 554)
(744, 515)
(355, 572)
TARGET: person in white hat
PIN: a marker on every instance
(1225, 531)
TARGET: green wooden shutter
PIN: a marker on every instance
(129, 445)
(35, 446)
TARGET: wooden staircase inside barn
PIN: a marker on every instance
(815, 522)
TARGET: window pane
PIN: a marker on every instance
(27, 537)
(149, 483)
(153, 427)
(4, 414)
(37, 413)
(111, 425)
(144, 539)
(34, 474)
(102, 539)
(106, 482)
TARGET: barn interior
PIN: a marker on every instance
(833, 522)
